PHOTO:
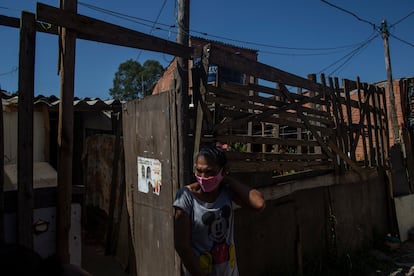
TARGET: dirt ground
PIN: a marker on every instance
(395, 259)
(97, 263)
(398, 260)
(391, 260)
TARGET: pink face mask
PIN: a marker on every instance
(209, 184)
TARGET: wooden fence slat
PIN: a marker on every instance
(347, 91)
(361, 128)
(369, 125)
(260, 140)
(25, 130)
(243, 110)
(375, 114)
(235, 155)
(245, 167)
(381, 127)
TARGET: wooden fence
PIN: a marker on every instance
(278, 122)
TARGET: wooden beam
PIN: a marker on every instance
(100, 31)
(15, 23)
(25, 130)
(65, 135)
(258, 70)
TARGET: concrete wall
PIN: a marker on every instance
(10, 121)
(321, 217)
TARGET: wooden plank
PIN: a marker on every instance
(381, 119)
(327, 98)
(261, 156)
(350, 135)
(100, 31)
(9, 21)
(268, 116)
(344, 130)
(327, 145)
(25, 130)
(338, 122)
(244, 89)
(244, 139)
(65, 135)
(256, 102)
(258, 70)
(381, 127)
(364, 108)
(369, 125)
(361, 127)
(387, 131)
(375, 114)
(246, 167)
(284, 121)
(15, 23)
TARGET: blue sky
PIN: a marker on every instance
(297, 36)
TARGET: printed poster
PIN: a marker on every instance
(149, 175)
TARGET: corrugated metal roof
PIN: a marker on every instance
(79, 104)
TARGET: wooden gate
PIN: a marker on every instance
(279, 122)
(150, 166)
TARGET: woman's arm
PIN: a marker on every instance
(182, 240)
(244, 195)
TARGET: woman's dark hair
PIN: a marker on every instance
(213, 154)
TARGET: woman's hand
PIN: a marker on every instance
(244, 195)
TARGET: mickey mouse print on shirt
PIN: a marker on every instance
(218, 227)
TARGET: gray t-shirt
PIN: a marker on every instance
(212, 237)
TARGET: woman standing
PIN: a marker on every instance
(203, 228)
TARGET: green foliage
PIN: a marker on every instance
(133, 80)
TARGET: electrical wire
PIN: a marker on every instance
(399, 39)
(153, 26)
(9, 72)
(321, 54)
(349, 55)
(138, 20)
(375, 27)
(402, 19)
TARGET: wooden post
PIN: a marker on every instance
(67, 47)
(116, 119)
(1, 170)
(25, 130)
(184, 155)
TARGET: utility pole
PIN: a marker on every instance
(393, 113)
(182, 97)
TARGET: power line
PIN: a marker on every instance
(137, 20)
(349, 55)
(153, 26)
(351, 13)
(402, 19)
(399, 39)
(9, 72)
